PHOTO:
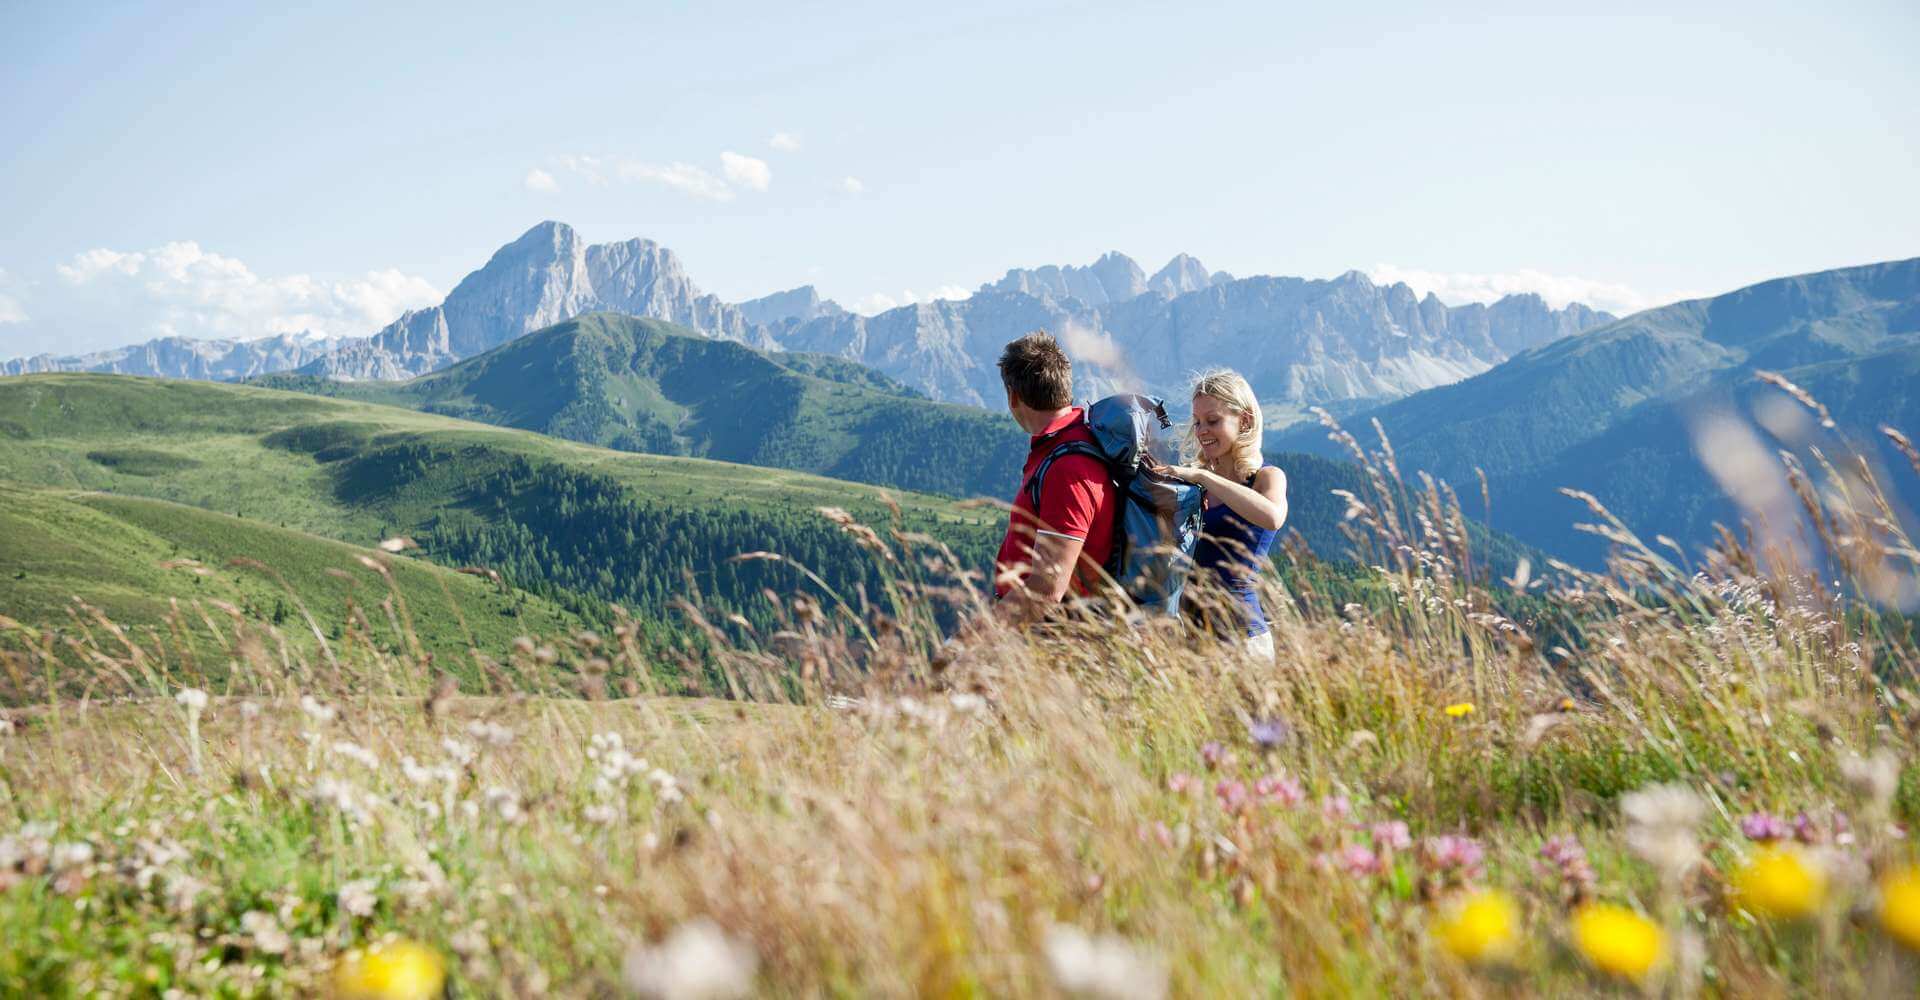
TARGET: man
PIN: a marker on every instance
(1059, 548)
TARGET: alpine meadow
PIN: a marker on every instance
(1504, 581)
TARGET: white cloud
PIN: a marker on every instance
(683, 177)
(852, 185)
(11, 311)
(879, 302)
(785, 142)
(107, 297)
(1460, 287)
(541, 181)
(746, 171)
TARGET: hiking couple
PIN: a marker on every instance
(1071, 519)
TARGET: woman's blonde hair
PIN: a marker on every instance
(1232, 390)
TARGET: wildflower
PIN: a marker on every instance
(967, 703)
(1391, 836)
(1269, 734)
(1781, 882)
(1280, 790)
(601, 814)
(1874, 780)
(265, 931)
(1336, 808)
(1453, 853)
(194, 699)
(1232, 795)
(1358, 861)
(1103, 966)
(400, 970)
(319, 713)
(357, 753)
(1618, 941)
(1215, 755)
(1764, 827)
(70, 855)
(698, 961)
(1180, 783)
(665, 786)
(490, 734)
(1459, 709)
(358, 898)
(505, 803)
(1564, 857)
(1482, 928)
(1660, 828)
(1899, 906)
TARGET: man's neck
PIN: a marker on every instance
(1035, 421)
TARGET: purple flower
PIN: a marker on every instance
(1764, 827)
(1232, 795)
(1564, 857)
(1336, 807)
(1279, 790)
(1214, 755)
(1269, 734)
(1452, 852)
(1391, 836)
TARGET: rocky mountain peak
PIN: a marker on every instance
(1182, 274)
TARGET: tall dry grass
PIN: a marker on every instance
(849, 809)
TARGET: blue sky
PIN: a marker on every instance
(221, 170)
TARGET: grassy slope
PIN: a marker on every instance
(642, 385)
(110, 550)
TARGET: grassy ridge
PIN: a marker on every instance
(133, 558)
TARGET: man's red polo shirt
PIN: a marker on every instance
(1076, 499)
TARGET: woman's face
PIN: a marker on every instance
(1215, 426)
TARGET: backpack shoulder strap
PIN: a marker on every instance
(1060, 451)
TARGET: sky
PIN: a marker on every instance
(229, 171)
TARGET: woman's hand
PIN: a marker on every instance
(1184, 473)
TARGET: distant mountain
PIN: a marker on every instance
(1611, 410)
(1344, 343)
(185, 357)
(647, 386)
(547, 275)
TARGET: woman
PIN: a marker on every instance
(1246, 499)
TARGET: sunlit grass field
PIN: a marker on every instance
(1663, 779)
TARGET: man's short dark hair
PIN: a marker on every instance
(1037, 372)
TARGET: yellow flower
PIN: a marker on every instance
(1900, 906)
(402, 970)
(1458, 710)
(1483, 928)
(1618, 941)
(1781, 882)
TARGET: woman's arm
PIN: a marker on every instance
(1264, 505)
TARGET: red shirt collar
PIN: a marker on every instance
(1060, 423)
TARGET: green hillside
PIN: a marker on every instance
(584, 526)
(1609, 411)
(132, 558)
(641, 385)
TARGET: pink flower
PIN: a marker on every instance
(1764, 827)
(1180, 783)
(1564, 857)
(1336, 808)
(1215, 755)
(1452, 852)
(1280, 790)
(1391, 836)
(1232, 795)
(1358, 861)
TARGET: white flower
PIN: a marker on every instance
(183, 891)
(665, 786)
(490, 734)
(6, 726)
(601, 814)
(1874, 779)
(357, 753)
(342, 796)
(193, 698)
(319, 713)
(967, 703)
(358, 898)
(72, 854)
(462, 753)
(1661, 820)
(698, 961)
(265, 931)
(1105, 967)
(504, 802)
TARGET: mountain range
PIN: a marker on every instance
(1629, 411)
(1343, 343)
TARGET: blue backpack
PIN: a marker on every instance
(1158, 518)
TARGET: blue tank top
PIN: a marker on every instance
(1233, 549)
